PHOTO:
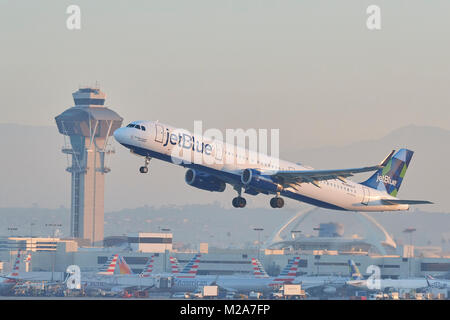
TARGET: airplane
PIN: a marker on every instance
(188, 281)
(108, 281)
(254, 173)
(103, 276)
(9, 281)
(383, 284)
(259, 281)
(329, 284)
(437, 283)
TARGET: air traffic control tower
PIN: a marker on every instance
(88, 125)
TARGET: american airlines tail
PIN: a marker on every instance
(110, 266)
(288, 274)
(6, 283)
(191, 267)
(175, 266)
(189, 270)
(258, 269)
(148, 268)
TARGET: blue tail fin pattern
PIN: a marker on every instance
(391, 176)
(354, 271)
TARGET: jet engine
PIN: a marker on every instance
(204, 181)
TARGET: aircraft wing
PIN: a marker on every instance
(293, 177)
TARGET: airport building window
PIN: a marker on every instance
(136, 260)
(330, 263)
(88, 101)
(388, 266)
(218, 261)
(445, 267)
(149, 240)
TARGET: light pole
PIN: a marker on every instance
(259, 233)
(411, 250)
(53, 225)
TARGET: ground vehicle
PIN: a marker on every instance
(395, 296)
(277, 295)
(230, 295)
(255, 295)
(180, 295)
(378, 296)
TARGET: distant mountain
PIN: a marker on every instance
(227, 227)
(33, 170)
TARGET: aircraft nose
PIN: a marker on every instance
(119, 135)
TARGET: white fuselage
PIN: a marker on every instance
(226, 162)
(381, 284)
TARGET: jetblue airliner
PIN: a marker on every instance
(207, 169)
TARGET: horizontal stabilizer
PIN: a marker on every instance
(397, 201)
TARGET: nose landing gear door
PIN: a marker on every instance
(159, 136)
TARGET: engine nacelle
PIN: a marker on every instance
(204, 181)
(253, 178)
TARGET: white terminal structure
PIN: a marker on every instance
(88, 125)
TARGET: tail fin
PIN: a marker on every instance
(291, 268)
(124, 267)
(354, 271)
(192, 266)
(390, 177)
(15, 269)
(148, 268)
(110, 265)
(175, 266)
(258, 269)
(14, 272)
(288, 274)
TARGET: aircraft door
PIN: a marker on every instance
(159, 137)
(219, 150)
(366, 196)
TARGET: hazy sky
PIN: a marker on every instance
(310, 68)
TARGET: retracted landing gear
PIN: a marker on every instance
(239, 202)
(277, 202)
(144, 169)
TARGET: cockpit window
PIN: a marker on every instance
(132, 125)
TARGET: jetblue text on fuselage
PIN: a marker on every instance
(187, 141)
